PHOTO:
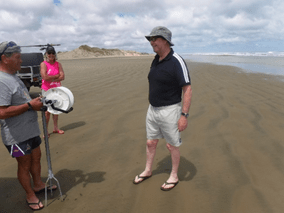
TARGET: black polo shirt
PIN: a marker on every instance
(166, 79)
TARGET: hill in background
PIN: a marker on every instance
(85, 51)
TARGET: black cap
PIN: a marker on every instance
(50, 49)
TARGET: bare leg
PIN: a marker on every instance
(151, 152)
(24, 167)
(36, 169)
(47, 116)
(55, 122)
(175, 154)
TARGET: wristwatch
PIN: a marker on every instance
(30, 107)
(185, 114)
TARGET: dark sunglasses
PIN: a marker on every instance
(53, 53)
(154, 38)
(10, 44)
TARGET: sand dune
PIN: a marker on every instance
(84, 51)
(231, 154)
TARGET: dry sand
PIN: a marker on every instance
(231, 157)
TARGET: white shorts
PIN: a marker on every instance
(162, 122)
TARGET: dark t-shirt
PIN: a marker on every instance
(166, 79)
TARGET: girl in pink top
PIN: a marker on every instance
(52, 74)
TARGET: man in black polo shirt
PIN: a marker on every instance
(168, 110)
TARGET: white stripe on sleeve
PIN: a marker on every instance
(183, 66)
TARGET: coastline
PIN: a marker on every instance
(267, 64)
(231, 157)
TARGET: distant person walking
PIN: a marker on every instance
(167, 116)
(52, 74)
(19, 126)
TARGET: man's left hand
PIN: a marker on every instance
(182, 123)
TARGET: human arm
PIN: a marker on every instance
(61, 76)
(187, 94)
(44, 75)
(11, 111)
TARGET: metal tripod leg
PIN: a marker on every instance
(50, 177)
(50, 173)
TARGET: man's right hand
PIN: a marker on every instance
(36, 104)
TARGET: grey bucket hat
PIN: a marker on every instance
(161, 31)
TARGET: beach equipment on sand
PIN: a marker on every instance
(56, 100)
(64, 100)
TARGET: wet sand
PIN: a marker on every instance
(231, 157)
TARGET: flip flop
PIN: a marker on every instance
(143, 178)
(48, 189)
(61, 132)
(168, 189)
(32, 204)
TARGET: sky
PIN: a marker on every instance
(202, 26)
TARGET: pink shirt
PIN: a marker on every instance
(51, 69)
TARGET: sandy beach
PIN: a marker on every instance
(231, 158)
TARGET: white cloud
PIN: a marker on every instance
(24, 5)
(123, 24)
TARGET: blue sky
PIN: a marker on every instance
(197, 26)
(56, 2)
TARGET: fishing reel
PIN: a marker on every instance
(58, 100)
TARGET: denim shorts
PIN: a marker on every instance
(162, 122)
(24, 148)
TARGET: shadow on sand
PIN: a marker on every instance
(12, 195)
(186, 172)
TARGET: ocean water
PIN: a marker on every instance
(268, 63)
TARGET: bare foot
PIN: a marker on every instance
(59, 131)
(42, 188)
(34, 203)
(171, 179)
(143, 176)
(168, 186)
(47, 134)
(170, 183)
